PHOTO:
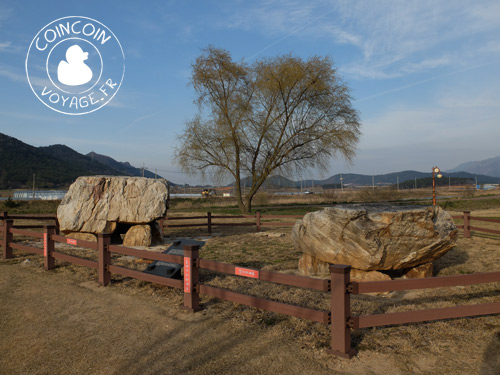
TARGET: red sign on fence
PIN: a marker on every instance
(70, 241)
(45, 249)
(246, 272)
(187, 275)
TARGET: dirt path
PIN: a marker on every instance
(62, 323)
(49, 325)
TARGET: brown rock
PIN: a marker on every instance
(309, 265)
(96, 204)
(82, 236)
(138, 235)
(375, 237)
(360, 275)
(419, 272)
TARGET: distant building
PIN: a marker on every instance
(40, 194)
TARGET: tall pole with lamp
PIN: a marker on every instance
(436, 172)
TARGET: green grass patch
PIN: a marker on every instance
(30, 207)
(470, 204)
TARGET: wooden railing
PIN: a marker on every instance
(344, 321)
(190, 260)
(34, 217)
(340, 318)
(210, 220)
(468, 228)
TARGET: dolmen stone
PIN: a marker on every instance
(105, 204)
(373, 238)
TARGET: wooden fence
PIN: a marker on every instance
(340, 318)
(468, 228)
(5, 215)
(344, 321)
(209, 221)
(190, 260)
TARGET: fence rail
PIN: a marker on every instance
(258, 220)
(344, 321)
(340, 287)
(191, 261)
(468, 228)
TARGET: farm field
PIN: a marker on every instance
(62, 322)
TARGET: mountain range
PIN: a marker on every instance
(490, 167)
(353, 179)
(53, 166)
(57, 166)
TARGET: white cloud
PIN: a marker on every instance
(8, 47)
(458, 121)
(5, 14)
(393, 37)
(17, 76)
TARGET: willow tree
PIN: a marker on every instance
(278, 115)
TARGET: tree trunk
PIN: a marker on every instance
(241, 205)
(248, 204)
(243, 208)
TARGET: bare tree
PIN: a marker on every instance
(278, 115)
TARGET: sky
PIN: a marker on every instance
(424, 75)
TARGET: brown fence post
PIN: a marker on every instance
(209, 222)
(48, 247)
(467, 224)
(191, 277)
(3, 216)
(341, 311)
(57, 225)
(104, 258)
(7, 236)
(257, 215)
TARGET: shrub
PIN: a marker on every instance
(9, 203)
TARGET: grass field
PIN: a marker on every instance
(135, 327)
(298, 205)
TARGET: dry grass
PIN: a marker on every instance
(268, 342)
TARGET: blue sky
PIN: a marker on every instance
(425, 75)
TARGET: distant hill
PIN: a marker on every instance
(410, 176)
(55, 166)
(123, 167)
(489, 167)
(78, 161)
(406, 178)
(384, 179)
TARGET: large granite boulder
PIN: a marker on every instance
(373, 237)
(101, 204)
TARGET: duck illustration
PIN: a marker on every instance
(74, 72)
